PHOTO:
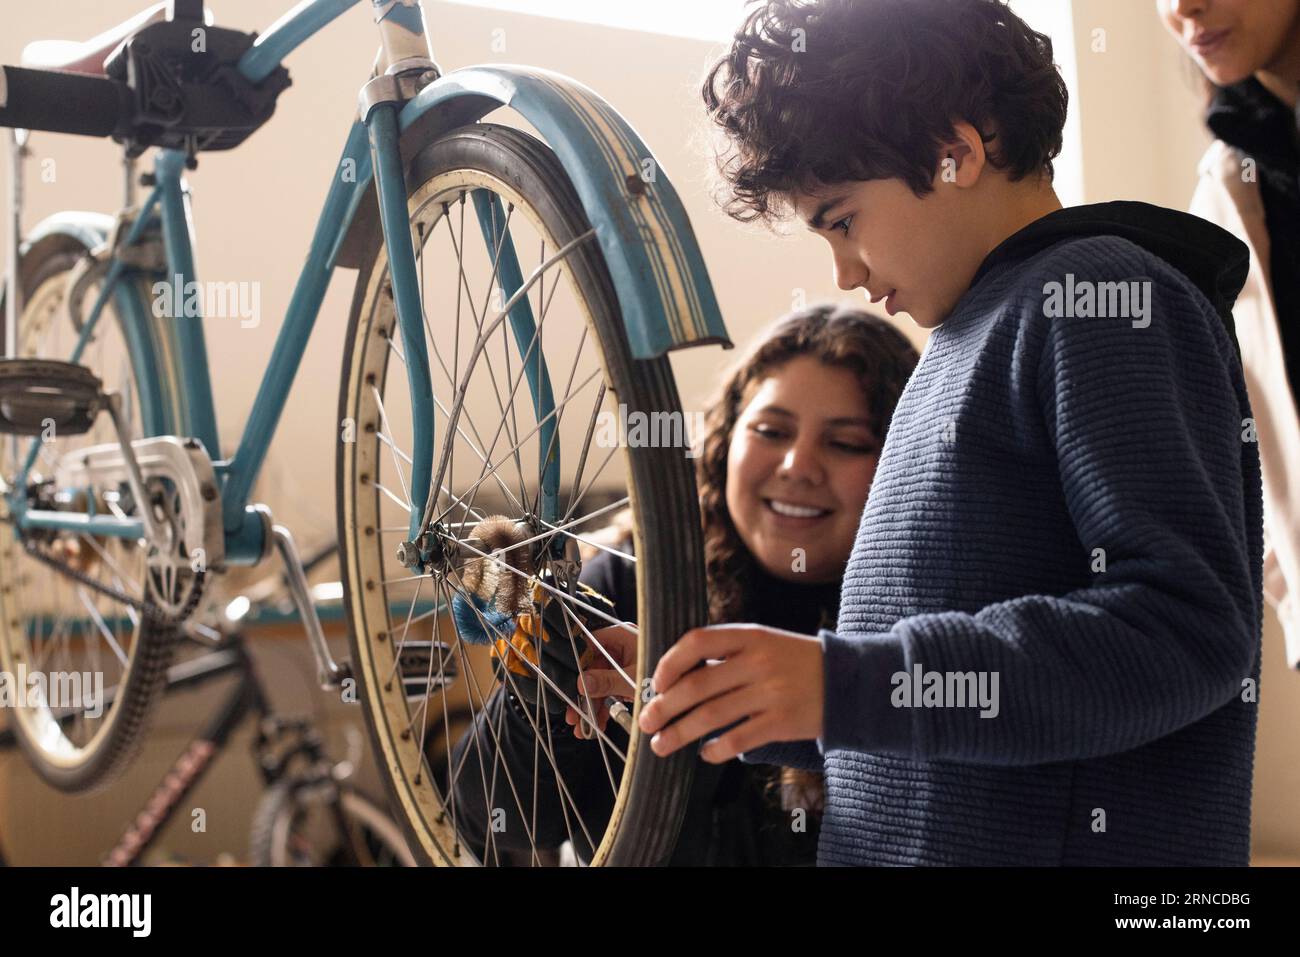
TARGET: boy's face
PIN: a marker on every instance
(916, 254)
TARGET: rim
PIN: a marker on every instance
(502, 429)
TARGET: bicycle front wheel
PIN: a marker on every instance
(532, 396)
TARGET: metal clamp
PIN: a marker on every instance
(402, 81)
(146, 254)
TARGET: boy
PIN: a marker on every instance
(1049, 632)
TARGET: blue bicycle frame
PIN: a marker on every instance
(643, 232)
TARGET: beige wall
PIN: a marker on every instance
(1137, 138)
(1142, 138)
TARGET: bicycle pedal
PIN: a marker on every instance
(39, 394)
(422, 672)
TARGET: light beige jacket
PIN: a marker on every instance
(1229, 196)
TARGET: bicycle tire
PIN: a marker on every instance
(116, 743)
(269, 834)
(652, 792)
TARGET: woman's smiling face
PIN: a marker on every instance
(800, 464)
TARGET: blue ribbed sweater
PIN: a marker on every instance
(1020, 446)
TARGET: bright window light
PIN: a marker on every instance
(698, 19)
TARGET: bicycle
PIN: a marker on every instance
(128, 530)
(309, 814)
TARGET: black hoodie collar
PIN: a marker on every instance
(1249, 117)
(1213, 259)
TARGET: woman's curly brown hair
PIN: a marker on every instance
(882, 360)
(818, 92)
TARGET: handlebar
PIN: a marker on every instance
(59, 102)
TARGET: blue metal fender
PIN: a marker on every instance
(659, 275)
(65, 230)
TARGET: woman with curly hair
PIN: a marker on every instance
(790, 448)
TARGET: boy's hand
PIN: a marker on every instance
(600, 679)
(772, 678)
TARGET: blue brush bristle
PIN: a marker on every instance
(471, 626)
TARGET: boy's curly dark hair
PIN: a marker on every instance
(818, 92)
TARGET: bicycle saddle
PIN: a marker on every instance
(88, 56)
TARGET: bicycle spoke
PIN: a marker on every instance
(587, 541)
(541, 674)
(98, 619)
(383, 420)
(555, 434)
(590, 713)
(549, 749)
(486, 333)
(539, 274)
(496, 742)
(592, 482)
(533, 431)
(586, 447)
(119, 575)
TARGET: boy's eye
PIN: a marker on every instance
(854, 448)
(843, 224)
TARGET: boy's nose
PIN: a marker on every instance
(850, 272)
(1187, 8)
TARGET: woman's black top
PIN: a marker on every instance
(734, 815)
(1250, 118)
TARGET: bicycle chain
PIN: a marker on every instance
(145, 607)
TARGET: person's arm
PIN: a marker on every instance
(501, 748)
(1147, 427)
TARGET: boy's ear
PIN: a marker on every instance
(962, 159)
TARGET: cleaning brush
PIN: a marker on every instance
(506, 605)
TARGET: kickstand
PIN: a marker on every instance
(330, 673)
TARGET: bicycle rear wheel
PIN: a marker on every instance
(94, 666)
(295, 827)
(523, 407)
